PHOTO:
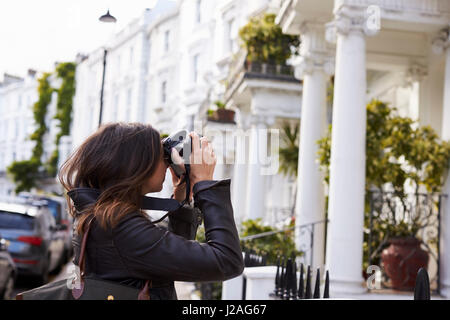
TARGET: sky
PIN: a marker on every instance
(34, 34)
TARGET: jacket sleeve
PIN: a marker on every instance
(185, 221)
(150, 252)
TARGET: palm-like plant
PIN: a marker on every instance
(289, 150)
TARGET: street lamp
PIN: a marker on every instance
(106, 18)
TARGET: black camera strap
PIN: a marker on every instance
(86, 196)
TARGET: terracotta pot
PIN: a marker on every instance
(402, 260)
(225, 115)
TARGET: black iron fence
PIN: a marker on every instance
(286, 287)
(422, 289)
(404, 236)
(251, 259)
(306, 232)
(212, 290)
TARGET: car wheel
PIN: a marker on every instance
(61, 263)
(9, 288)
(43, 278)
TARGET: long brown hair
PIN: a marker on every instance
(117, 159)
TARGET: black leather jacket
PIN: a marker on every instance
(137, 250)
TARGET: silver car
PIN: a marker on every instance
(34, 243)
(8, 271)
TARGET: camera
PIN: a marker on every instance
(182, 143)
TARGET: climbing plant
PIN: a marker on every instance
(66, 72)
(24, 173)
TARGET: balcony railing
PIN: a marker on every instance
(426, 7)
(241, 68)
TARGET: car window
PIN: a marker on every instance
(45, 220)
(55, 209)
(12, 220)
(51, 219)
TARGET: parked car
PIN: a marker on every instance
(35, 246)
(58, 207)
(8, 271)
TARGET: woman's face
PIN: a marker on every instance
(156, 180)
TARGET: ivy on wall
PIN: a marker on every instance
(66, 72)
(24, 173)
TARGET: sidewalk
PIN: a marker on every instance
(185, 291)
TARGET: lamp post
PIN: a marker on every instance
(106, 18)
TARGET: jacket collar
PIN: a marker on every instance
(83, 197)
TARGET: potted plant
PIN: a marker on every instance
(221, 114)
(265, 42)
(403, 255)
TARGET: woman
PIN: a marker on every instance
(125, 162)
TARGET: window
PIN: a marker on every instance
(129, 99)
(195, 68)
(198, 11)
(166, 40)
(131, 55)
(230, 34)
(116, 107)
(17, 128)
(118, 64)
(17, 221)
(149, 62)
(164, 92)
(129, 96)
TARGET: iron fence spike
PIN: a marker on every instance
(308, 284)
(301, 285)
(422, 288)
(326, 290)
(294, 282)
(316, 294)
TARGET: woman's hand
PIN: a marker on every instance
(203, 160)
(202, 163)
(179, 191)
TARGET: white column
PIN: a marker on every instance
(344, 252)
(256, 180)
(442, 45)
(240, 171)
(310, 194)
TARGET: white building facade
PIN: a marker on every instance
(395, 51)
(181, 56)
